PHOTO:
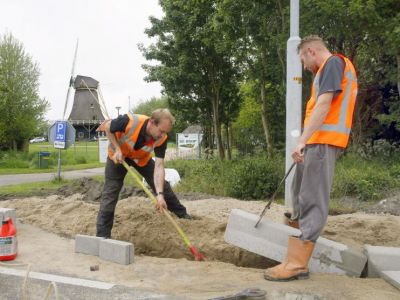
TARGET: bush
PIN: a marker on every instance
(254, 178)
(365, 179)
(249, 178)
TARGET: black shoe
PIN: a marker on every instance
(186, 216)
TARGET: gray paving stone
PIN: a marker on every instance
(382, 259)
(270, 239)
(116, 251)
(393, 277)
(87, 244)
(8, 212)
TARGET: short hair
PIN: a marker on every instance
(162, 113)
(310, 39)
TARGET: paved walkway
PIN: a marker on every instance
(36, 177)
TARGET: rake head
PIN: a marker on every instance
(197, 255)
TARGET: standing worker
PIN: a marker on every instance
(133, 138)
(327, 124)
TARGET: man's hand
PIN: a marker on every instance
(103, 126)
(161, 204)
(298, 153)
(117, 158)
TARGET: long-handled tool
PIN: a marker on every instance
(197, 255)
(273, 196)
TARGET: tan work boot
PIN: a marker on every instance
(289, 222)
(295, 266)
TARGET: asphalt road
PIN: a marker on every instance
(37, 177)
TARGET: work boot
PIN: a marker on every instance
(295, 266)
(287, 220)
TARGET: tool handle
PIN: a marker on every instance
(154, 200)
(267, 206)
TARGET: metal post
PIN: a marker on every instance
(293, 93)
(59, 165)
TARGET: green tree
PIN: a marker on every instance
(258, 32)
(21, 108)
(195, 68)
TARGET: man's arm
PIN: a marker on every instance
(317, 118)
(105, 126)
(159, 178)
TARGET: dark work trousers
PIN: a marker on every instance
(114, 179)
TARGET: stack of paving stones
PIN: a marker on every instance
(112, 250)
(270, 239)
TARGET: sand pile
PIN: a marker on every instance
(152, 234)
(135, 221)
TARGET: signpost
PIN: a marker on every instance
(62, 136)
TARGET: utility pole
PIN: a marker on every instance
(293, 94)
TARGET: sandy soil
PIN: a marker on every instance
(162, 262)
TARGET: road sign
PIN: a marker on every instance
(59, 142)
(62, 134)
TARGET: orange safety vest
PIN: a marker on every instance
(128, 139)
(337, 125)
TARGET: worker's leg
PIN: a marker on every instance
(316, 181)
(319, 167)
(172, 201)
(114, 179)
(292, 219)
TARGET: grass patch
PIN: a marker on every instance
(31, 189)
(38, 188)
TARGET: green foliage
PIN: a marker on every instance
(257, 177)
(147, 107)
(77, 156)
(365, 179)
(21, 109)
(81, 160)
(254, 178)
(249, 178)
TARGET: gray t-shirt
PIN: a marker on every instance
(331, 76)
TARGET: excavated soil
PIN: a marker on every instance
(152, 234)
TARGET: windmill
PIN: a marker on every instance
(87, 112)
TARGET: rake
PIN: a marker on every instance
(197, 255)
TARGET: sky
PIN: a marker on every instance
(109, 33)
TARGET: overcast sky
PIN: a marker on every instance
(108, 31)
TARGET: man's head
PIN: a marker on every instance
(160, 122)
(313, 52)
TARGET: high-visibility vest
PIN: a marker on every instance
(336, 127)
(128, 139)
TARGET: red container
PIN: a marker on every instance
(8, 240)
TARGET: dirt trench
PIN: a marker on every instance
(135, 221)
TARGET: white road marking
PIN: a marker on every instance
(58, 279)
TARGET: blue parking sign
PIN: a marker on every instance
(59, 141)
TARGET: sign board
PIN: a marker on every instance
(62, 134)
(59, 142)
(190, 140)
(103, 149)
